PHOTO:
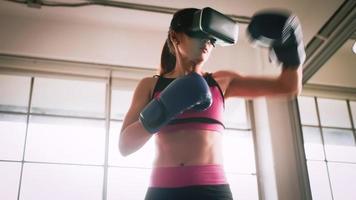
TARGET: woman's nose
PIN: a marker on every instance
(209, 41)
(205, 40)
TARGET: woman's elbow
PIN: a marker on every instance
(132, 138)
(299, 90)
(297, 87)
(122, 151)
(292, 81)
(293, 89)
(123, 148)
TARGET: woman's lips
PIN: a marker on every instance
(204, 50)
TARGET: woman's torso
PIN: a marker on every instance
(183, 147)
(190, 147)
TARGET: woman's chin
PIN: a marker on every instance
(199, 61)
(202, 58)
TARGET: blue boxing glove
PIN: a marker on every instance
(282, 33)
(180, 95)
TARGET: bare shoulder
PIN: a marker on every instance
(142, 95)
(146, 86)
(148, 80)
(224, 78)
(225, 74)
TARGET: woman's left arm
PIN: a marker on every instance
(281, 32)
(289, 83)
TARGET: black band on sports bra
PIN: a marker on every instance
(196, 119)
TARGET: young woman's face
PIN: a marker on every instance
(195, 49)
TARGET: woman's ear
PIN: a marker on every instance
(173, 36)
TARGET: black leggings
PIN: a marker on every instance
(204, 192)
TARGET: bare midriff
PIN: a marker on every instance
(188, 147)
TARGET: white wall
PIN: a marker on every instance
(78, 42)
(107, 44)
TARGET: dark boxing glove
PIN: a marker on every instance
(180, 95)
(282, 33)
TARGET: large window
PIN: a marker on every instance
(59, 137)
(52, 138)
(238, 147)
(329, 139)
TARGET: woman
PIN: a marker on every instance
(188, 164)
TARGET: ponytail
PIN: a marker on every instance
(168, 59)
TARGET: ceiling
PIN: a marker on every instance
(112, 15)
(337, 69)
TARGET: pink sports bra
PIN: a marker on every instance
(209, 119)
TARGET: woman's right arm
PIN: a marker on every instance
(133, 135)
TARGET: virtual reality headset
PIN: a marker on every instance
(208, 23)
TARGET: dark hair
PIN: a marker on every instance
(168, 59)
(181, 22)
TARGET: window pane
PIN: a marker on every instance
(353, 111)
(238, 150)
(235, 115)
(14, 92)
(143, 158)
(58, 182)
(121, 100)
(339, 145)
(54, 139)
(127, 183)
(12, 136)
(307, 109)
(243, 187)
(68, 97)
(9, 181)
(334, 113)
(313, 144)
(319, 182)
(343, 180)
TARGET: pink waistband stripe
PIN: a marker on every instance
(171, 177)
